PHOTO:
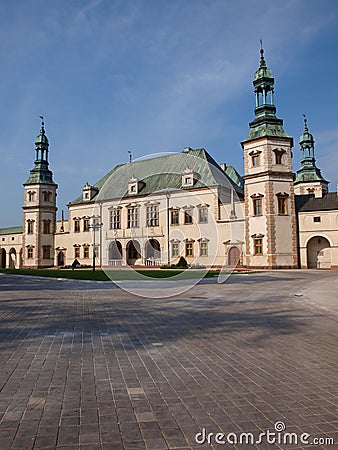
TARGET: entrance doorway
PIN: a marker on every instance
(115, 253)
(133, 252)
(234, 256)
(3, 258)
(314, 246)
(153, 252)
(12, 258)
(61, 259)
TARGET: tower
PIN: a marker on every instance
(270, 219)
(39, 209)
(309, 179)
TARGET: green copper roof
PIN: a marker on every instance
(235, 176)
(40, 174)
(306, 139)
(162, 173)
(266, 128)
(11, 230)
(265, 123)
(41, 137)
(308, 172)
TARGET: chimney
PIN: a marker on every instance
(187, 149)
(223, 166)
(337, 189)
(318, 192)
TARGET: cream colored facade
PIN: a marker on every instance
(215, 227)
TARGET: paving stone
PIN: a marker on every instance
(84, 365)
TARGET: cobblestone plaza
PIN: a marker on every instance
(88, 365)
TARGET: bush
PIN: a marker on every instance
(182, 263)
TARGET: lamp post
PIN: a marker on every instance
(168, 227)
(95, 226)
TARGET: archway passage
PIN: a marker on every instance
(3, 258)
(314, 246)
(133, 252)
(153, 252)
(115, 253)
(61, 259)
(234, 256)
(12, 258)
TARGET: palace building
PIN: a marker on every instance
(152, 211)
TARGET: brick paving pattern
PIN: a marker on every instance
(87, 366)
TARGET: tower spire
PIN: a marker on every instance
(308, 172)
(41, 173)
(262, 61)
(266, 123)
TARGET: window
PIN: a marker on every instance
(278, 158)
(282, 205)
(46, 227)
(152, 216)
(203, 215)
(31, 196)
(258, 246)
(86, 251)
(257, 206)
(76, 252)
(187, 180)
(188, 216)
(174, 217)
(85, 224)
(30, 226)
(46, 196)
(76, 225)
(189, 249)
(203, 249)
(317, 219)
(30, 252)
(46, 252)
(12, 238)
(279, 155)
(133, 217)
(115, 219)
(255, 160)
(175, 249)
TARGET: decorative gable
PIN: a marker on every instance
(189, 177)
(88, 192)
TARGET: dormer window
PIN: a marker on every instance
(88, 192)
(134, 186)
(189, 177)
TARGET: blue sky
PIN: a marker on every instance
(156, 76)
